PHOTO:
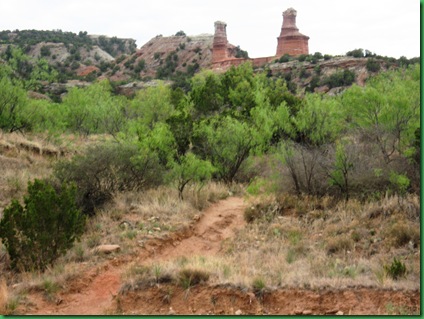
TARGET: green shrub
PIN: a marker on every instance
(357, 53)
(259, 287)
(36, 234)
(284, 58)
(191, 277)
(302, 57)
(339, 78)
(106, 169)
(396, 269)
(373, 66)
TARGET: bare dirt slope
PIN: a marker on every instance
(98, 290)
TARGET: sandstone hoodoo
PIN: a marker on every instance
(220, 42)
(291, 41)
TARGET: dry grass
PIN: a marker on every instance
(289, 242)
(4, 296)
(339, 247)
(23, 158)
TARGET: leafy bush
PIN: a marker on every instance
(373, 66)
(302, 57)
(340, 78)
(239, 53)
(37, 233)
(396, 269)
(45, 51)
(284, 58)
(105, 169)
(357, 53)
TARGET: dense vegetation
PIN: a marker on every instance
(25, 38)
(239, 126)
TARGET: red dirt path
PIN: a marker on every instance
(96, 291)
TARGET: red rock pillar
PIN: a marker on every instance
(291, 41)
(220, 42)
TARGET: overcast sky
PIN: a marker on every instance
(386, 27)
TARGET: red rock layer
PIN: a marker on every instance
(220, 42)
(291, 41)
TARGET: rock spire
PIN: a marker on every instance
(291, 41)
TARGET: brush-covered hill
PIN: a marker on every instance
(79, 59)
(72, 55)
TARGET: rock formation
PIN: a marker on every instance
(291, 41)
(220, 42)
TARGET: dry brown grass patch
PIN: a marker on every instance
(4, 296)
(339, 244)
(402, 233)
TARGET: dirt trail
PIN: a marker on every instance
(94, 292)
(218, 223)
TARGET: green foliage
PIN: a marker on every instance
(318, 121)
(180, 34)
(191, 277)
(373, 65)
(259, 287)
(181, 125)
(227, 143)
(13, 102)
(31, 37)
(357, 53)
(302, 57)
(241, 54)
(45, 51)
(46, 116)
(93, 110)
(152, 105)
(399, 182)
(238, 88)
(206, 93)
(342, 167)
(115, 46)
(189, 168)
(37, 233)
(284, 58)
(106, 169)
(396, 269)
(339, 78)
(167, 70)
(141, 65)
(387, 110)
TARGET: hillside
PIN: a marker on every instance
(72, 55)
(79, 59)
(242, 190)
